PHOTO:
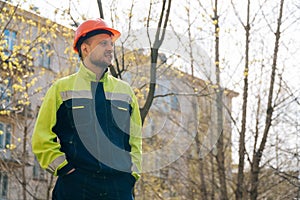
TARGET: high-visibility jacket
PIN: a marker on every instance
(88, 124)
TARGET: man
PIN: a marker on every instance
(88, 131)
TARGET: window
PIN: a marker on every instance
(162, 104)
(10, 38)
(174, 102)
(5, 94)
(38, 172)
(44, 57)
(5, 135)
(3, 185)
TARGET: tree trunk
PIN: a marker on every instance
(240, 177)
(219, 97)
(213, 181)
(270, 108)
(201, 169)
(100, 9)
(24, 150)
(159, 37)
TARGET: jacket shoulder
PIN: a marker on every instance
(118, 81)
(65, 81)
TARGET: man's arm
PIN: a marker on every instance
(136, 138)
(44, 141)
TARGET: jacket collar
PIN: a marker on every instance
(89, 75)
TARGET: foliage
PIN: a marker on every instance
(28, 44)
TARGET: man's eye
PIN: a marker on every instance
(103, 43)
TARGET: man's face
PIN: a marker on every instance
(100, 50)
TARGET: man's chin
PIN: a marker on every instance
(106, 65)
(103, 65)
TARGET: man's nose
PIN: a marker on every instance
(110, 46)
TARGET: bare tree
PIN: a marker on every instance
(159, 38)
(240, 176)
(257, 154)
(219, 104)
(100, 8)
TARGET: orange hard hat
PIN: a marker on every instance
(93, 25)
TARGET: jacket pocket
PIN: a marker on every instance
(121, 111)
(79, 113)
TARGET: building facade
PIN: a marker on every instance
(34, 52)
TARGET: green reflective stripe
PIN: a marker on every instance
(55, 163)
(118, 96)
(77, 107)
(66, 95)
(120, 108)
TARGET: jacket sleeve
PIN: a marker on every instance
(44, 141)
(136, 138)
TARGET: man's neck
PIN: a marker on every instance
(100, 74)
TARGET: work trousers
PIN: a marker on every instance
(81, 185)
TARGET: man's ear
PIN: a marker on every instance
(84, 49)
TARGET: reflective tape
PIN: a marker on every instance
(118, 96)
(76, 94)
(55, 163)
